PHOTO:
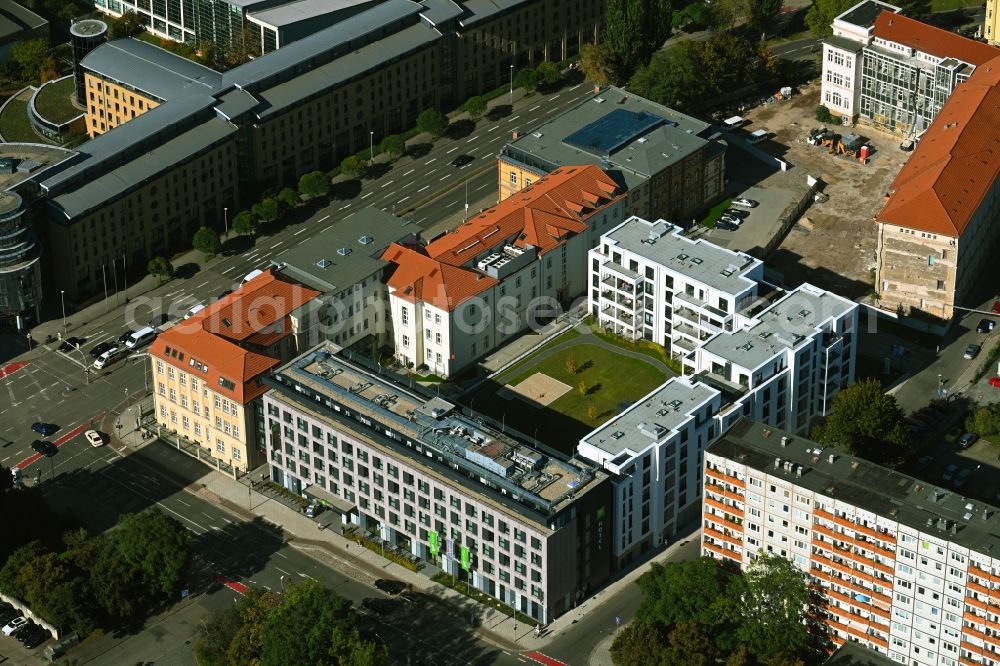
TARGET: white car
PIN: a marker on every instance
(743, 201)
(94, 438)
(15, 625)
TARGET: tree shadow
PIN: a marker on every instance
(378, 169)
(418, 150)
(346, 189)
(186, 271)
(499, 111)
(460, 129)
(237, 244)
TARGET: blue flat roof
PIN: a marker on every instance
(613, 131)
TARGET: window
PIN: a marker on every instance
(513, 178)
(406, 341)
(405, 313)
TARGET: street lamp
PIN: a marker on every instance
(225, 220)
(940, 384)
(512, 84)
(62, 298)
(371, 147)
(29, 341)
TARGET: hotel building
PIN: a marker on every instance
(525, 526)
(207, 369)
(470, 291)
(902, 566)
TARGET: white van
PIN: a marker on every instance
(195, 310)
(141, 337)
(113, 355)
(252, 274)
(758, 136)
(733, 122)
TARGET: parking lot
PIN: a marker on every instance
(22, 641)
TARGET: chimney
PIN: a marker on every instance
(798, 471)
(513, 135)
(784, 441)
(832, 458)
(777, 463)
(597, 89)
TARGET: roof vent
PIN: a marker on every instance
(344, 251)
(366, 240)
(537, 135)
(784, 441)
(324, 263)
(599, 100)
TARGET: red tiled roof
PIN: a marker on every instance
(255, 313)
(943, 183)
(543, 215)
(941, 43)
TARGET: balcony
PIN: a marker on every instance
(686, 329)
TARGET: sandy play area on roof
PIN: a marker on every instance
(538, 390)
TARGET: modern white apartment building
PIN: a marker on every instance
(904, 567)
(647, 281)
(893, 71)
(524, 525)
(784, 361)
(469, 291)
(654, 452)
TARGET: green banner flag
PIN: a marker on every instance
(465, 558)
(432, 540)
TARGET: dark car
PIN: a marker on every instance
(971, 352)
(985, 326)
(967, 440)
(25, 633)
(378, 606)
(726, 225)
(159, 320)
(736, 212)
(996, 307)
(390, 586)
(35, 638)
(462, 160)
(99, 349)
(225, 293)
(44, 429)
(69, 344)
(124, 337)
(44, 446)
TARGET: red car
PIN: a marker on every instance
(996, 307)
(995, 382)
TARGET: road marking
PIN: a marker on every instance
(422, 189)
(386, 184)
(183, 502)
(409, 172)
(492, 128)
(443, 177)
(304, 575)
(287, 573)
(451, 151)
(402, 200)
(276, 244)
(5, 459)
(482, 186)
(431, 171)
(282, 555)
(533, 108)
(512, 119)
(344, 207)
(301, 231)
(366, 196)
(575, 87)
(391, 194)
(472, 139)
(554, 98)
(231, 268)
(349, 214)
(202, 284)
(449, 205)
(429, 161)
(322, 219)
(554, 108)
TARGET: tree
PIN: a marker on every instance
(243, 223)
(393, 146)
(57, 593)
(773, 601)
(823, 114)
(160, 267)
(475, 106)
(525, 79)
(867, 422)
(154, 544)
(30, 56)
(633, 31)
(983, 421)
(595, 64)
(639, 644)
(314, 184)
(353, 167)
(548, 73)
(206, 240)
(267, 209)
(691, 644)
(820, 16)
(287, 198)
(761, 13)
(572, 365)
(216, 634)
(432, 122)
(592, 413)
(126, 25)
(254, 610)
(11, 582)
(582, 387)
(682, 592)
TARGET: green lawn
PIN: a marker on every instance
(946, 5)
(612, 381)
(53, 102)
(14, 124)
(713, 214)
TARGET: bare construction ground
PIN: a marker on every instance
(833, 246)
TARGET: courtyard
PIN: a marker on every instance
(568, 387)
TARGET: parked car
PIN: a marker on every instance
(94, 438)
(995, 382)
(390, 586)
(378, 606)
(159, 320)
(985, 326)
(113, 355)
(972, 351)
(967, 440)
(99, 349)
(15, 625)
(224, 294)
(44, 446)
(462, 160)
(731, 219)
(70, 344)
(44, 429)
(996, 307)
(963, 477)
(124, 337)
(949, 473)
(743, 201)
(28, 630)
(736, 212)
(726, 225)
(924, 462)
(36, 637)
